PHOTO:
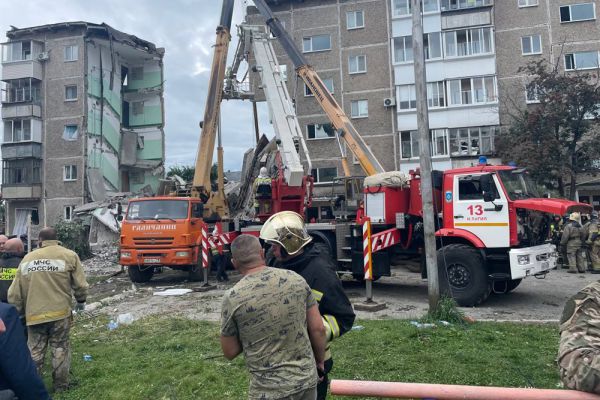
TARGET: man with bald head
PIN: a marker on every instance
(43, 290)
(272, 317)
(3, 239)
(10, 259)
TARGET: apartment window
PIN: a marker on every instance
(403, 49)
(357, 64)
(70, 92)
(432, 43)
(138, 107)
(71, 53)
(70, 173)
(581, 60)
(359, 108)
(16, 51)
(316, 43)
(70, 132)
(436, 94)
(17, 130)
(328, 82)
(320, 131)
(21, 90)
(532, 94)
(271, 35)
(531, 45)
(577, 12)
(24, 171)
(472, 90)
(472, 141)
(528, 3)
(448, 5)
(409, 143)
(324, 175)
(468, 42)
(68, 213)
(430, 5)
(355, 19)
(400, 7)
(406, 94)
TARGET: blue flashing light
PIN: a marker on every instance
(482, 160)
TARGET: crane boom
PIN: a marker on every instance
(201, 186)
(369, 163)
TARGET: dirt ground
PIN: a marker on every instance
(404, 293)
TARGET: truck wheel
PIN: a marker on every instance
(506, 286)
(461, 275)
(196, 274)
(139, 274)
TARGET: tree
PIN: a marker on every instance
(186, 172)
(558, 137)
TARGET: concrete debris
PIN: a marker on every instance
(104, 262)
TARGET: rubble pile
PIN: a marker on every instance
(104, 262)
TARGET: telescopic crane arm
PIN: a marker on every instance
(336, 114)
(201, 186)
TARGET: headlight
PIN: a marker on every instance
(125, 254)
(182, 254)
(523, 260)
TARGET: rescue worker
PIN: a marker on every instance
(219, 258)
(579, 349)
(42, 291)
(593, 242)
(554, 236)
(262, 190)
(9, 263)
(571, 239)
(293, 249)
(585, 249)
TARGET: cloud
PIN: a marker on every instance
(186, 29)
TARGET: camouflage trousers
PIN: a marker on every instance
(595, 256)
(56, 335)
(580, 370)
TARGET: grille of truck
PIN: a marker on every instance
(153, 241)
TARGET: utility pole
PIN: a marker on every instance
(425, 155)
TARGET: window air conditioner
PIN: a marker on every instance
(389, 102)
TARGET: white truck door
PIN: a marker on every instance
(488, 220)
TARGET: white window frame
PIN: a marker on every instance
(402, 91)
(351, 16)
(403, 2)
(574, 55)
(76, 92)
(71, 53)
(358, 102)
(527, 3)
(17, 130)
(434, 151)
(320, 128)
(68, 172)
(569, 6)
(67, 137)
(469, 35)
(530, 39)
(404, 51)
(533, 90)
(317, 178)
(311, 50)
(308, 93)
(472, 92)
(428, 49)
(356, 59)
(283, 72)
(68, 213)
(441, 89)
(493, 132)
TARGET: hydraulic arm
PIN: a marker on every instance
(336, 114)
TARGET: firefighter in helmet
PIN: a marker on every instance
(262, 190)
(593, 242)
(294, 249)
(571, 238)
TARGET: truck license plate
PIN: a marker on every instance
(151, 260)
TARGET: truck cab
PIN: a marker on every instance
(160, 231)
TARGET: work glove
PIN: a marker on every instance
(79, 307)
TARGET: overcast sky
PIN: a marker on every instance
(186, 29)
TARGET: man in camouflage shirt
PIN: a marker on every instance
(272, 316)
(579, 350)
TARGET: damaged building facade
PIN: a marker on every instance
(83, 117)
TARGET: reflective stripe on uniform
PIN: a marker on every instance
(318, 295)
(335, 328)
(47, 317)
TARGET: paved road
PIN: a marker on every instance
(405, 294)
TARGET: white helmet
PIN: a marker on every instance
(287, 229)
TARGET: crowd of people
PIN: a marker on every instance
(578, 240)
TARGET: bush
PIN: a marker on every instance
(446, 311)
(74, 236)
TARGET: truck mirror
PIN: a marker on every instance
(120, 217)
(35, 217)
(488, 196)
(486, 183)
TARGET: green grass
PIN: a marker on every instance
(166, 358)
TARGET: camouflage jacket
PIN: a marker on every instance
(580, 321)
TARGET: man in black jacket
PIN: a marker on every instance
(9, 263)
(18, 373)
(293, 250)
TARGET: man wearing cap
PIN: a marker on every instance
(571, 239)
(293, 249)
(9, 263)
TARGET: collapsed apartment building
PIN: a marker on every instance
(83, 118)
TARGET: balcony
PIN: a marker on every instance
(455, 5)
(20, 60)
(21, 98)
(21, 179)
(22, 192)
(22, 130)
(21, 150)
